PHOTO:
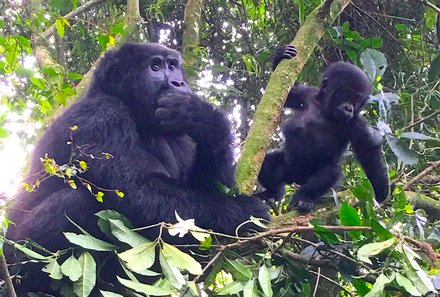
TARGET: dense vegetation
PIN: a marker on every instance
(348, 246)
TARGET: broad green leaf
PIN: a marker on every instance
(31, 253)
(421, 278)
(89, 242)
(407, 284)
(416, 135)
(349, 216)
(53, 269)
(374, 62)
(264, 280)
(59, 24)
(238, 270)
(171, 273)
(84, 286)
(124, 234)
(380, 231)
(250, 289)
(109, 294)
(139, 258)
(372, 249)
(145, 289)
(434, 69)
(72, 268)
(38, 82)
(181, 260)
(379, 286)
(231, 289)
(104, 223)
(3, 133)
(405, 155)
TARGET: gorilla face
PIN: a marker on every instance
(344, 91)
(154, 70)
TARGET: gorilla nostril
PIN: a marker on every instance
(348, 108)
(182, 84)
(175, 83)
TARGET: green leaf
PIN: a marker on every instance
(145, 289)
(31, 253)
(72, 268)
(372, 249)
(124, 234)
(3, 133)
(59, 24)
(104, 223)
(349, 216)
(238, 270)
(416, 135)
(89, 242)
(379, 286)
(118, 28)
(374, 63)
(231, 289)
(181, 260)
(109, 294)
(38, 82)
(139, 258)
(405, 155)
(53, 269)
(380, 231)
(74, 76)
(264, 280)
(250, 289)
(407, 285)
(434, 70)
(171, 273)
(84, 286)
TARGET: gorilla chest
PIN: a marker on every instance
(175, 153)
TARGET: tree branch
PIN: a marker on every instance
(71, 15)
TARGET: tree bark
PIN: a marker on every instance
(190, 38)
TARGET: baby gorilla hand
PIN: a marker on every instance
(179, 113)
(302, 203)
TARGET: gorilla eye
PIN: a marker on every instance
(173, 65)
(155, 67)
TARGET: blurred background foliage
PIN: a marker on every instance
(46, 48)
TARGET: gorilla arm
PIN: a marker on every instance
(209, 128)
(366, 143)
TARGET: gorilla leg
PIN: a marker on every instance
(272, 175)
(317, 185)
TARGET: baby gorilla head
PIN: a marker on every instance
(343, 92)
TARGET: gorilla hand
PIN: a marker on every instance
(181, 113)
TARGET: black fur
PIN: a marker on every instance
(170, 149)
(325, 121)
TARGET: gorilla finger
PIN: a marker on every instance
(162, 113)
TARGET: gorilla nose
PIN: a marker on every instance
(348, 108)
(179, 86)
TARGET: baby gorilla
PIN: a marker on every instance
(325, 121)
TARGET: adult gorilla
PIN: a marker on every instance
(170, 149)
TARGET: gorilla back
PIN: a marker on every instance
(168, 148)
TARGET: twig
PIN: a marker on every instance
(433, 6)
(49, 32)
(4, 273)
(422, 174)
(421, 120)
(332, 281)
(317, 281)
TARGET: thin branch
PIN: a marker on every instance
(332, 281)
(421, 120)
(431, 5)
(4, 273)
(83, 8)
(422, 174)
